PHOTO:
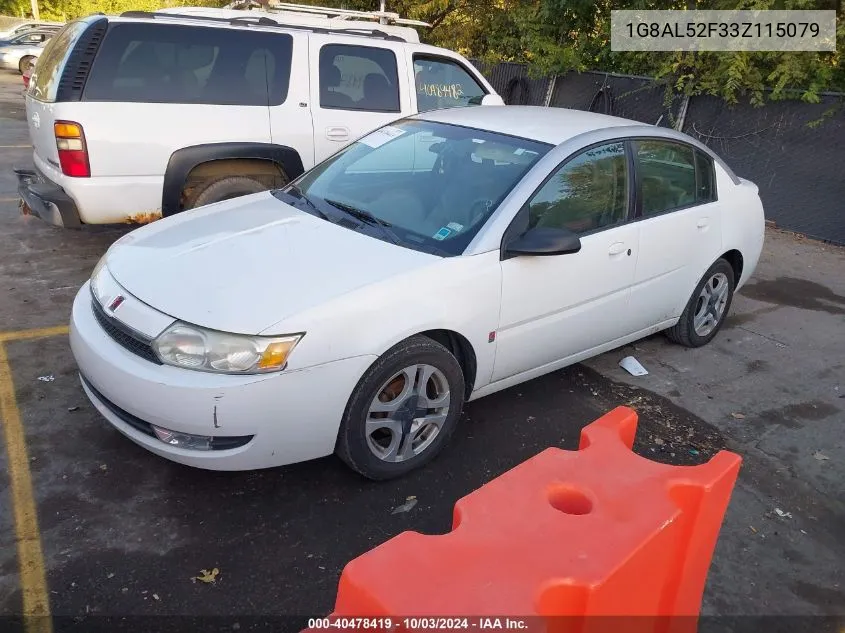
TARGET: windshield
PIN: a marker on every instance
(423, 185)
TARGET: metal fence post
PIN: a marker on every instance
(550, 92)
(682, 115)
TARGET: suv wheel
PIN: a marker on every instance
(227, 188)
(26, 63)
(403, 410)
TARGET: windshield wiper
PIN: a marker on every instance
(301, 196)
(369, 218)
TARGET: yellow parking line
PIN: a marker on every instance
(36, 599)
(23, 335)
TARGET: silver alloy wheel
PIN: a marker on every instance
(710, 307)
(407, 413)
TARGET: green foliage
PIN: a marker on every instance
(556, 36)
(62, 10)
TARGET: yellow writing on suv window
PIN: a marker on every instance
(450, 91)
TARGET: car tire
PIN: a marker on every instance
(708, 307)
(25, 63)
(226, 189)
(410, 436)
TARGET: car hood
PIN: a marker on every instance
(243, 265)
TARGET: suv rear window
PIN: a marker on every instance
(169, 63)
(45, 80)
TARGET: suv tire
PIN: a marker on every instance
(25, 63)
(227, 188)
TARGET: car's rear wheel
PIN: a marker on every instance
(403, 410)
(226, 189)
(26, 63)
(707, 309)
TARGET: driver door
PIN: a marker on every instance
(556, 307)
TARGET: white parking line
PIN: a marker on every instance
(15, 146)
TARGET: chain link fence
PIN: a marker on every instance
(794, 151)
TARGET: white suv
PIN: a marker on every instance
(147, 114)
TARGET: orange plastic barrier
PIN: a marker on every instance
(597, 531)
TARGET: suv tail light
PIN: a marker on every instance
(73, 154)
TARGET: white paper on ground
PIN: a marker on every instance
(632, 366)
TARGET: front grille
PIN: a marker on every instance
(123, 335)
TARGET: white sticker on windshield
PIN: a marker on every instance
(382, 136)
(454, 226)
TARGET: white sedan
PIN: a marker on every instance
(435, 261)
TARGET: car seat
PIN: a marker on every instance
(378, 93)
(331, 77)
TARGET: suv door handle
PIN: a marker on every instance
(338, 133)
(703, 222)
(616, 248)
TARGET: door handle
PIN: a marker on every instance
(617, 248)
(703, 223)
(338, 133)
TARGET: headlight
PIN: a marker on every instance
(193, 347)
(95, 275)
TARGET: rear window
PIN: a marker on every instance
(169, 63)
(45, 79)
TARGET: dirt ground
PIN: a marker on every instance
(123, 532)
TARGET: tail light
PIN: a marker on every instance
(73, 154)
(25, 82)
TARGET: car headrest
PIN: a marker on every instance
(194, 57)
(375, 84)
(331, 76)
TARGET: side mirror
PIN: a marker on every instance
(492, 100)
(544, 240)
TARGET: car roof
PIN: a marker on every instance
(547, 125)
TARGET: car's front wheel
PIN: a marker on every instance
(403, 410)
(708, 307)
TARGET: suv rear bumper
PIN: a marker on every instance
(46, 199)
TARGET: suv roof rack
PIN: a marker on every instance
(248, 20)
(383, 17)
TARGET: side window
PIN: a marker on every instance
(444, 83)
(667, 175)
(45, 79)
(705, 178)
(168, 63)
(358, 78)
(589, 192)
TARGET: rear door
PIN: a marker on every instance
(680, 228)
(361, 84)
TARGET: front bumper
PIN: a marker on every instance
(286, 417)
(46, 199)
